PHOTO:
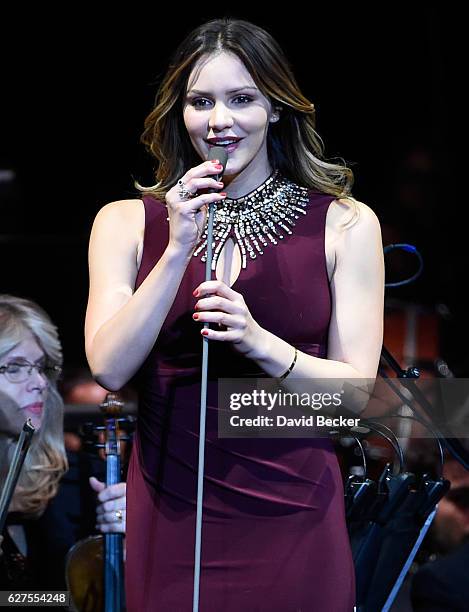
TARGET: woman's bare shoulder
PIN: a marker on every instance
(351, 226)
(122, 211)
(124, 216)
(120, 224)
(347, 213)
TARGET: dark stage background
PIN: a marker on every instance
(78, 84)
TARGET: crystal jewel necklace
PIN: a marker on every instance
(263, 215)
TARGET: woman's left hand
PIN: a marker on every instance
(218, 303)
(110, 513)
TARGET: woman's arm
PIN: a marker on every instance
(122, 326)
(356, 326)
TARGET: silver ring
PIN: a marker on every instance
(118, 514)
(184, 193)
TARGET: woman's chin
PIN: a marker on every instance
(36, 419)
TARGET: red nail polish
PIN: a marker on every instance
(195, 293)
(205, 332)
(195, 316)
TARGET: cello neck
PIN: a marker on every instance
(113, 556)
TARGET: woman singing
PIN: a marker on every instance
(308, 305)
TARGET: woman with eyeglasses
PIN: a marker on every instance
(30, 363)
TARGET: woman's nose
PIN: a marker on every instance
(38, 379)
(220, 117)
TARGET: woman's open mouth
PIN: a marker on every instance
(230, 144)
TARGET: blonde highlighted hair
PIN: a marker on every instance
(294, 146)
(46, 460)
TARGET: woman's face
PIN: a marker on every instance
(223, 102)
(29, 396)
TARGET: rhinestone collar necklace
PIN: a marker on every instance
(263, 215)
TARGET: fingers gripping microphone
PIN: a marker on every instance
(222, 156)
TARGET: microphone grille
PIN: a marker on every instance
(220, 154)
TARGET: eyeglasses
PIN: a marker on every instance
(20, 372)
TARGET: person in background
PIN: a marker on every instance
(45, 515)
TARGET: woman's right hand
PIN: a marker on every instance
(187, 217)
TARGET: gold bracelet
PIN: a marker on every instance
(290, 368)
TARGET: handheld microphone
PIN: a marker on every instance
(222, 156)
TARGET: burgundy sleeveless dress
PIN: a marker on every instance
(274, 536)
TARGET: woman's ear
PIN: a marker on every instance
(275, 116)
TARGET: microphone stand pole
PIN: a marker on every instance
(203, 413)
(220, 153)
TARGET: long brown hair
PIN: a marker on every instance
(294, 147)
(46, 460)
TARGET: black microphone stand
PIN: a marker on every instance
(389, 529)
(453, 445)
(389, 520)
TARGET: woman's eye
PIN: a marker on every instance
(14, 368)
(200, 102)
(243, 99)
(205, 103)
